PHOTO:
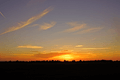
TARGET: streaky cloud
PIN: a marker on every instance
(46, 26)
(95, 48)
(29, 21)
(49, 55)
(77, 46)
(90, 30)
(34, 25)
(29, 46)
(2, 14)
(63, 51)
(75, 26)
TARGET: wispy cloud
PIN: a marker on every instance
(63, 51)
(46, 26)
(95, 48)
(90, 30)
(34, 25)
(49, 55)
(2, 14)
(29, 46)
(77, 46)
(34, 51)
(29, 21)
(76, 26)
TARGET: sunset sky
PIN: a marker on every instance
(59, 30)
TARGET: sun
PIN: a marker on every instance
(67, 57)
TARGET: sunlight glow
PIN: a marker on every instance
(64, 57)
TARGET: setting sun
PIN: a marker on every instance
(67, 57)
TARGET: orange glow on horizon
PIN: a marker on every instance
(67, 57)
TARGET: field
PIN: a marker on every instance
(60, 70)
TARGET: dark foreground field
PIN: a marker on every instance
(60, 70)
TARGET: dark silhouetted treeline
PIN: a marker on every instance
(60, 70)
(65, 61)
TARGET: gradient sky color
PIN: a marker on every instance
(59, 29)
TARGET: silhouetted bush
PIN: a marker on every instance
(73, 60)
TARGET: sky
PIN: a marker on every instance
(59, 30)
